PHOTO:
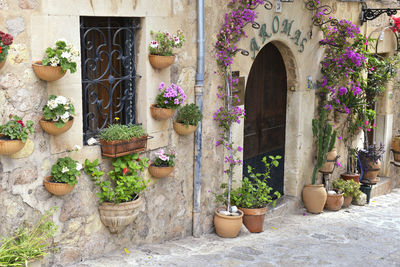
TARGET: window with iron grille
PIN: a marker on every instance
(108, 72)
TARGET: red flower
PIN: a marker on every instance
(125, 171)
(21, 123)
(7, 39)
(138, 159)
(1, 48)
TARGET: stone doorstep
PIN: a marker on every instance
(284, 206)
(383, 187)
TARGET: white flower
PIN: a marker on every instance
(64, 170)
(61, 100)
(66, 55)
(52, 104)
(176, 40)
(76, 147)
(78, 166)
(66, 107)
(153, 44)
(57, 118)
(65, 117)
(91, 141)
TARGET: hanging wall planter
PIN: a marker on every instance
(9, 147)
(51, 128)
(187, 119)
(161, 62)
(58, 189)
(14, 134)
(161, 113)
(160, 172)
(47, 73)
(183, 129)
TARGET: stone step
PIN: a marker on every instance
(383, 187)
(284, 206)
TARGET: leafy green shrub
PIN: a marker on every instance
(62, 54)
(66, 170)
(28, 244)
(15, 129)
(348, 188)
(189, 114)
(59, 110)
(125, 183)
(122, 132)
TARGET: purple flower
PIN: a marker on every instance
(240, 149)
(342, 90)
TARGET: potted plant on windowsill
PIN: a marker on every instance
(58, 60)
(349, 188)
(161, 55)
(120, 195)
(187, 119)
(64, 176)
(370, 162)
(167, 101)
(163, 164)
(57, 115)
(119, 140)
(13, 135)
(5, 41)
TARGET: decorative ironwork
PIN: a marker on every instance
(108, 72)
(373, 13)
(243, 52)
(268, 5)
(326, 10)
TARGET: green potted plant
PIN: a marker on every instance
(58, 60)
(5, 41)
(64, 176)
(167, 101)
(349, 188)
(13, 135)
(57, 115)
(119, 195)
(187, 119)
(314, 195)
(162, 165)
(161, 48)
(370, 162)
(119, 140)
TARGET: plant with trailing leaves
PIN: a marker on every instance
(122, 132)
(165, 42)
(59, 110)
(5, 41)
(28, 243)
(348, 188)
(164, 159)
(125, 182)
(189, 114)
(62, 54)
(66, 170)
(16, 129)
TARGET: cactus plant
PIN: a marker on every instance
(326, 138)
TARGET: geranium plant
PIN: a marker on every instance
(66, 170)
(5, 41)
(62, 54)
(170, 97)
(16, 129)
(164, 43)
(59, 110)
(164, 159)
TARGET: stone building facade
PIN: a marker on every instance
(167, 213)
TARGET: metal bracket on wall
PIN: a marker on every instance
(373, 13)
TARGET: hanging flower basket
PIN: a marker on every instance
(51, 128)
(119, 148)
(2, 63)
(161, 113)
(58, 189)
(9, 147)
(160, 172)
(47, 73)
(182, 129)
(161, 62)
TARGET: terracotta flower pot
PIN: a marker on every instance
(58, 189)
(47, 73)
(161, 62)
(347, 201)
(329, 165)
(314, 197)
(160, 172)
(51, 128)
(182, 129)
(2, 63)
(334, 202)
(119, 148)
(351, 176)
(396, 147)
(253, 219)
(372, 172)
(9, 147)
(227, 226)
(161, 113)
(117, 216)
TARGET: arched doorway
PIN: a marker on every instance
(265, 105)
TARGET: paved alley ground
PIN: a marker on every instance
(357, 236)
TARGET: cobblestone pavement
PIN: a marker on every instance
(357, 236)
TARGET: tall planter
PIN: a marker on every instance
(314, 197)
(117, 216)
(47, 73)
(396, 147)
(227, 226)
(329, 165)
(51, 128)
(161, 62)
(253, 219)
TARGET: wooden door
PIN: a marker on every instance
(265, 105)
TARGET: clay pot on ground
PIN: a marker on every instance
(58, 189)
(314, 197)
(119, 148)
(334, 202)
(160, 172)
(51, 128)
(253, 219)
(373, 169)
(117, 216)
(329, 165)
(161, 62)
(351, 176)
(347, 201)
(161, 113)
(182, 129)
(396, 147)
(9, 147)
(47, 73)
(227, 226)
(2, 63)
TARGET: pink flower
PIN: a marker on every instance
(374, 125)
(338, 164)
(366, 123)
